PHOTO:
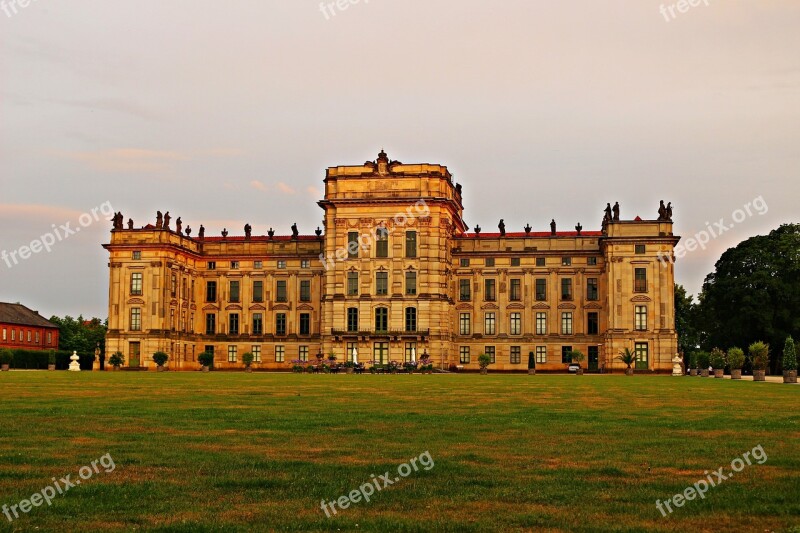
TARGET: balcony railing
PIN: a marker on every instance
(381, 333)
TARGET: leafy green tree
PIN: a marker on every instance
(79, 334)
(789, 355)
(686, 321)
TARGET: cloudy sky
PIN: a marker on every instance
(229, 112)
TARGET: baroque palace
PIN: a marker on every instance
(394, 275)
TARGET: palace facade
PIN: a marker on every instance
(395, 274)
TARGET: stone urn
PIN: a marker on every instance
(531, 371)
(704, 373)
(677, 369)
(74, 366)
(736, 373)
(248, 369)
(484, 371)
(349, 369)
(206, 369)
(51, 367)
(693, 372)
(759, 375)
(790, 376)
(719, 373)
(579, 372)
(628, 371)
(4, 368)
(160, 369)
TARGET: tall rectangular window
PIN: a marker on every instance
(305, 290)
(541, 354)
(516, 324)
(302, 353)
(516, 355)
(233, 324)
(592, 324)
(566, 323)
(541, 323)
(280, 354)
(381, 283)
(352, 244)
(174, 286)
(411, 283)
(489, 293)
(352, 283)
(515, 294)
(464, 290)
(541, 289)
(380, 352)
(381, 319)
(491, 352)
(489, 324)
(280, 292)
(411, 352)
(256, 353)
(411, 319)
(352, 319)
(351, 346)
(566, 288)
(136, 320)
(305, 324)
(232, 353)
(411, 244)
(566, 354)
(258, 324)
(234, 292)
(642, 355)
(591, 289)
(640, 318)
(211, 324)
(280, 324)
(258, 291)
(211, 291)
(463, 355)
(382, 243)
(640, 280)
(136, 284)
(464, 328)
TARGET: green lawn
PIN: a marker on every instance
(235, 451)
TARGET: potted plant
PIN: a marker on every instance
(247, 359)
(6, 358)
(717, 362)
(410, 366)
(693, 364)
(332, 357)
(349, 367)
(789, 361)
(576, 356)
(484, 361)
(703, 360)
(531, 364)
(160, 359)
(206, 359)
(736, 362)
(116, 360)
(51, 360)
(628, 357)
(759, 355)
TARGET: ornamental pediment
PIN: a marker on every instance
(641, 298)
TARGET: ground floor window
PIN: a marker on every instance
(380, 352)
(280, 354)
(464, 355)
(351, 347)
(256, 353)
(541, 354)
(411, 351)
(516, 355)
(231, 354)
(566, 354)
(490, 351)
(303, 353)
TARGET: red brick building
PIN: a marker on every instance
(21, 328)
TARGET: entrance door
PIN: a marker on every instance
(642, 356)
(134, 354)
(593, 359)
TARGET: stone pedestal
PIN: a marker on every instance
(74, 366)
(676, 366)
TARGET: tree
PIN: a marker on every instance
(686, 320)
(789, 355)
(80, 335)
(754, 292)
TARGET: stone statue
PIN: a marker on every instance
(117, 220)
(579, 229)
(167, 218)
(318, 231)
(607, 216)
(271, 233)
(202, 232)
(502, 228)
(669, 212)
(458, 188)
(188, 231)
(553, 227)
(159, 220)
(527, 229)
(662, 211)
(616, 212)
(295, 232)
(130, 223)
(224, 233)
(179, 226)
(247, 231)
(478, 229)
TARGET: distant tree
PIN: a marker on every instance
(79, 334)
(686, 321)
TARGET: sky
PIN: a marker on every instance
(229, 112)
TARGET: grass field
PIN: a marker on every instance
(235, 451)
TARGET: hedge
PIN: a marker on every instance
(38, 360)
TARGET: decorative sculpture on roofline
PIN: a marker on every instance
(248, 229)
(295, 232)
(502, 228)
(553, 227)
(159, 220)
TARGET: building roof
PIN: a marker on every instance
(513, 235)
(20, 315)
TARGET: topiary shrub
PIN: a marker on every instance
(736, 358)
(789, 355)
(247, 359)
(6, 357)
(160, 358)
(116, 360)
(206, 359)
(484, 361)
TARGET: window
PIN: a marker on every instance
(516, 324)
(566, 261)
(29, 336)
(541, 289)
(231, 353)
(464, 263)
(233, 324)
(136, 284)
(566, 354)
(211, 291)
(352, 283)
(256, 353)
(463, 355)
(464, 290)
(591, 261)
(411, 283)
(258, 291)
(234, 265)
(464, 326)
(280, 324)
(184, 289)
(640, 318)
(592, 324)
(516, 355)
(281, 265)
(302, 353)
(352, 319)
(352, 244)
(305, 263)
(258, 265)
(411, 351)
(489, 324)
(137, 255)
(350, 347)
(641, 350)
(5, 334)
(490, 351)
(136, 321)
(541, 323)
(174, 286)
(489, 293)
(192, 290)
(305, 290)
(591, 289)
(14, 332)
(411, 244)
(411, 319)
(640, 280)
(515, 262)
(172, 319)
(381, 283)
(380, 352)
(381, 319)
(566, 288)
(541, 354)
(258, 324)
(37, 339)
(540, 261)
(489, 261)
(280, 354)
(49, 337)
(382, 243)
(234, 287)
(211, 265)
(566, 323)
(639, 249)
(211, 324)
(280, 292)
(305, 324)
(516, 290)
